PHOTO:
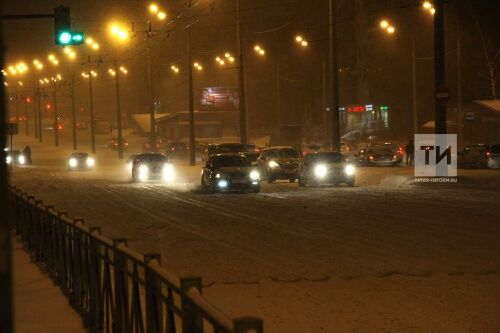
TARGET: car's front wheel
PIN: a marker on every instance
(301, 182)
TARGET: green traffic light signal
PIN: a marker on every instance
(62, 26)
(77, 38)
(64, 38)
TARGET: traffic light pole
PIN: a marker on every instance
(118, 112)
(26, 116)
(192, 146)
(92, 120)
(152, 133)
(73, 111)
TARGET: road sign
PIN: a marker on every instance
(442, 94)
(12, 129)
(469, 116)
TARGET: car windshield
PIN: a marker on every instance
(495, 149)
(231, 161)
(152, 158)
(328, 158)
(284, 153)
(80, 155)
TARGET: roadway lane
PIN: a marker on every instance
(432, 239)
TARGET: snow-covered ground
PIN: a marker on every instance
(384, 256)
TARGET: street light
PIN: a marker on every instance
(116, 30)
(301, 41)
(259, 50)
(175, 69)
(428, 6)
(387, 27)
(198, 66)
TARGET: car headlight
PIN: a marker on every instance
(21, 159)
(320, 171)
(73, 162)
(168, 173)
(8, 159)
(273, 164)
(218, 175)
(90, 162)
(143, 173)
(222, 183)
(349, 170)
(254, 175)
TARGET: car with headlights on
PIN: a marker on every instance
(325, 168)
(152, 167)
(15, 157)
(279, 162)
(230, 172)
(81, 161)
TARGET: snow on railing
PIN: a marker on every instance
(115, 288)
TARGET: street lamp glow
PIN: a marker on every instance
(427, 5)
(95, 46)
(123, 70)
(304, 43)
(433, 11)
(231, 59)
(391, 30)
(94, 74)
(384, 24)
(20, 83)
(89, 41)
(153, 8)
(162, 16)
(298, 38)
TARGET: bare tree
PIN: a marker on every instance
(492, 56)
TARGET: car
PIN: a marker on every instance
(129, 162)
(279, 162)
(80, 161)
(152, 167)
(327, 167)
(480, 156)
(15, 157)
(312, 148)
(113, 143)
(229, 172)
(177, 149)
(252, 156)
(377, 156)
(155, 147)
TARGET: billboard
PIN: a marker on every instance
(218, 98)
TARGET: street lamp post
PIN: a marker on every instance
(118, 110)
(73, 111)
(241, 78)
(39, 112)
(26, 99)
(439, 66)
(92, 120)
(56, 116)
(192, 148)
(334, 79)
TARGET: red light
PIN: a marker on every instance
(371, 158)
(488, 154)
(28, 100)
(394, 157)
(48, 106)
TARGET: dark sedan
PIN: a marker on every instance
(325, 168)
(152, 167)
(279, 162)
(377, 156)
(80, 161)
(229, 172)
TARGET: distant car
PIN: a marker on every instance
(113, 143)
(313, 148)
(80, 161)
(155, 147)
(230, 172)
(325, 168)
(377, 156)
(279, 162)
(225, 148)
(152, 167)
(82, 125)
(15, 157)
(480, 156)
(177, 149)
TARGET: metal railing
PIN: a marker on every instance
(115, 288)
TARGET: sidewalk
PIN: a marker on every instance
(39, 305)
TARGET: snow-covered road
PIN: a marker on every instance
(383, 256)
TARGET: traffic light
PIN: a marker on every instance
(62, 28)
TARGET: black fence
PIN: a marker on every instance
(115, 288)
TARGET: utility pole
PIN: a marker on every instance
(56, 116)
(118, 112)
(35, 114)
(26, 98)
(334, 79)
(241, 78)
(439, 66)
(73, 111)
(152, 132)
(92, 120)
(192, 146)
(414, 85)
(39, 111)
(324, 101)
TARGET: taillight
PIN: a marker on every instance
(371, 158)
(488, 154)
(394, 157)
